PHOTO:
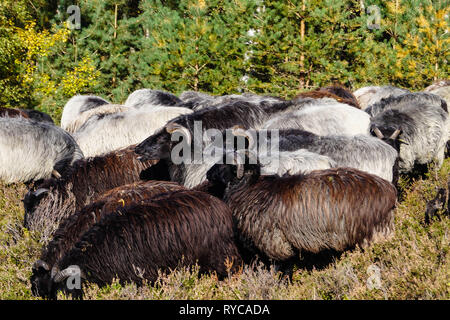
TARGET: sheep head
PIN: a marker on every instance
(41, 279)
(388, 126)
(160, 144)
(31, 201)
(235, 167)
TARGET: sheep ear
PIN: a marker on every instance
(395, 134)
(173, 126)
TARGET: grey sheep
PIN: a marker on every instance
(416, 124)
(367, 96)
(32, 150)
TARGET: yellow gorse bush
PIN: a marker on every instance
(37, 44)
(83, 76)
(43, 82)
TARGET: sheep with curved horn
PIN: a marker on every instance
(417, 125)
(284, 217)
(73, 227)
(170, 230)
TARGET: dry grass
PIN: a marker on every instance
(413, 264)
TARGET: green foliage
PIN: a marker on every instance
(220, 47)
(12, 15)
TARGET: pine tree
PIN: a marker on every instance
(220, 47)
(199, 45)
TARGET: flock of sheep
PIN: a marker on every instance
(110, 202)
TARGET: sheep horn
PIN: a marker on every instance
(240, 171)
(173, 126)
(239, 131)
(41, 264)
(56, 174)
(40, 191)
(378, 133)
(63, 274)
(395, 134)
(54, 272)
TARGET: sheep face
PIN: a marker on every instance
(160, 145)
(32, 200)
(388, 126)
(41, 280)
(388, 135)
(225, 174)
(156, 146)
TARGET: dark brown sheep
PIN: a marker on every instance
(56, 199)
(285, 216)
(72, 228)
(342, 92)
(336, 92)
(12, 113)
(175, 229)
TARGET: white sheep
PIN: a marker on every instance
(105, 133)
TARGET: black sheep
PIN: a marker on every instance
(72, 228)
(175, 229)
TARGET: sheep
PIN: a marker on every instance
(138, 241)
(149, 97)
(77, 105)
(442, 89)
(72, 228)
(12, 113)
(336, 92)
(104, 133)
(32, 150)
(26, 113)
(404, 100)
(319, 94)
(100, 111)
(284, 217)
(365, 153)
(160, 146)
(38, 116)
(53, 200)
(294, 162)
(416, 124)
(437, 85)
(198, 101)
(343, 93)
(367, 96)
(322, 117)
